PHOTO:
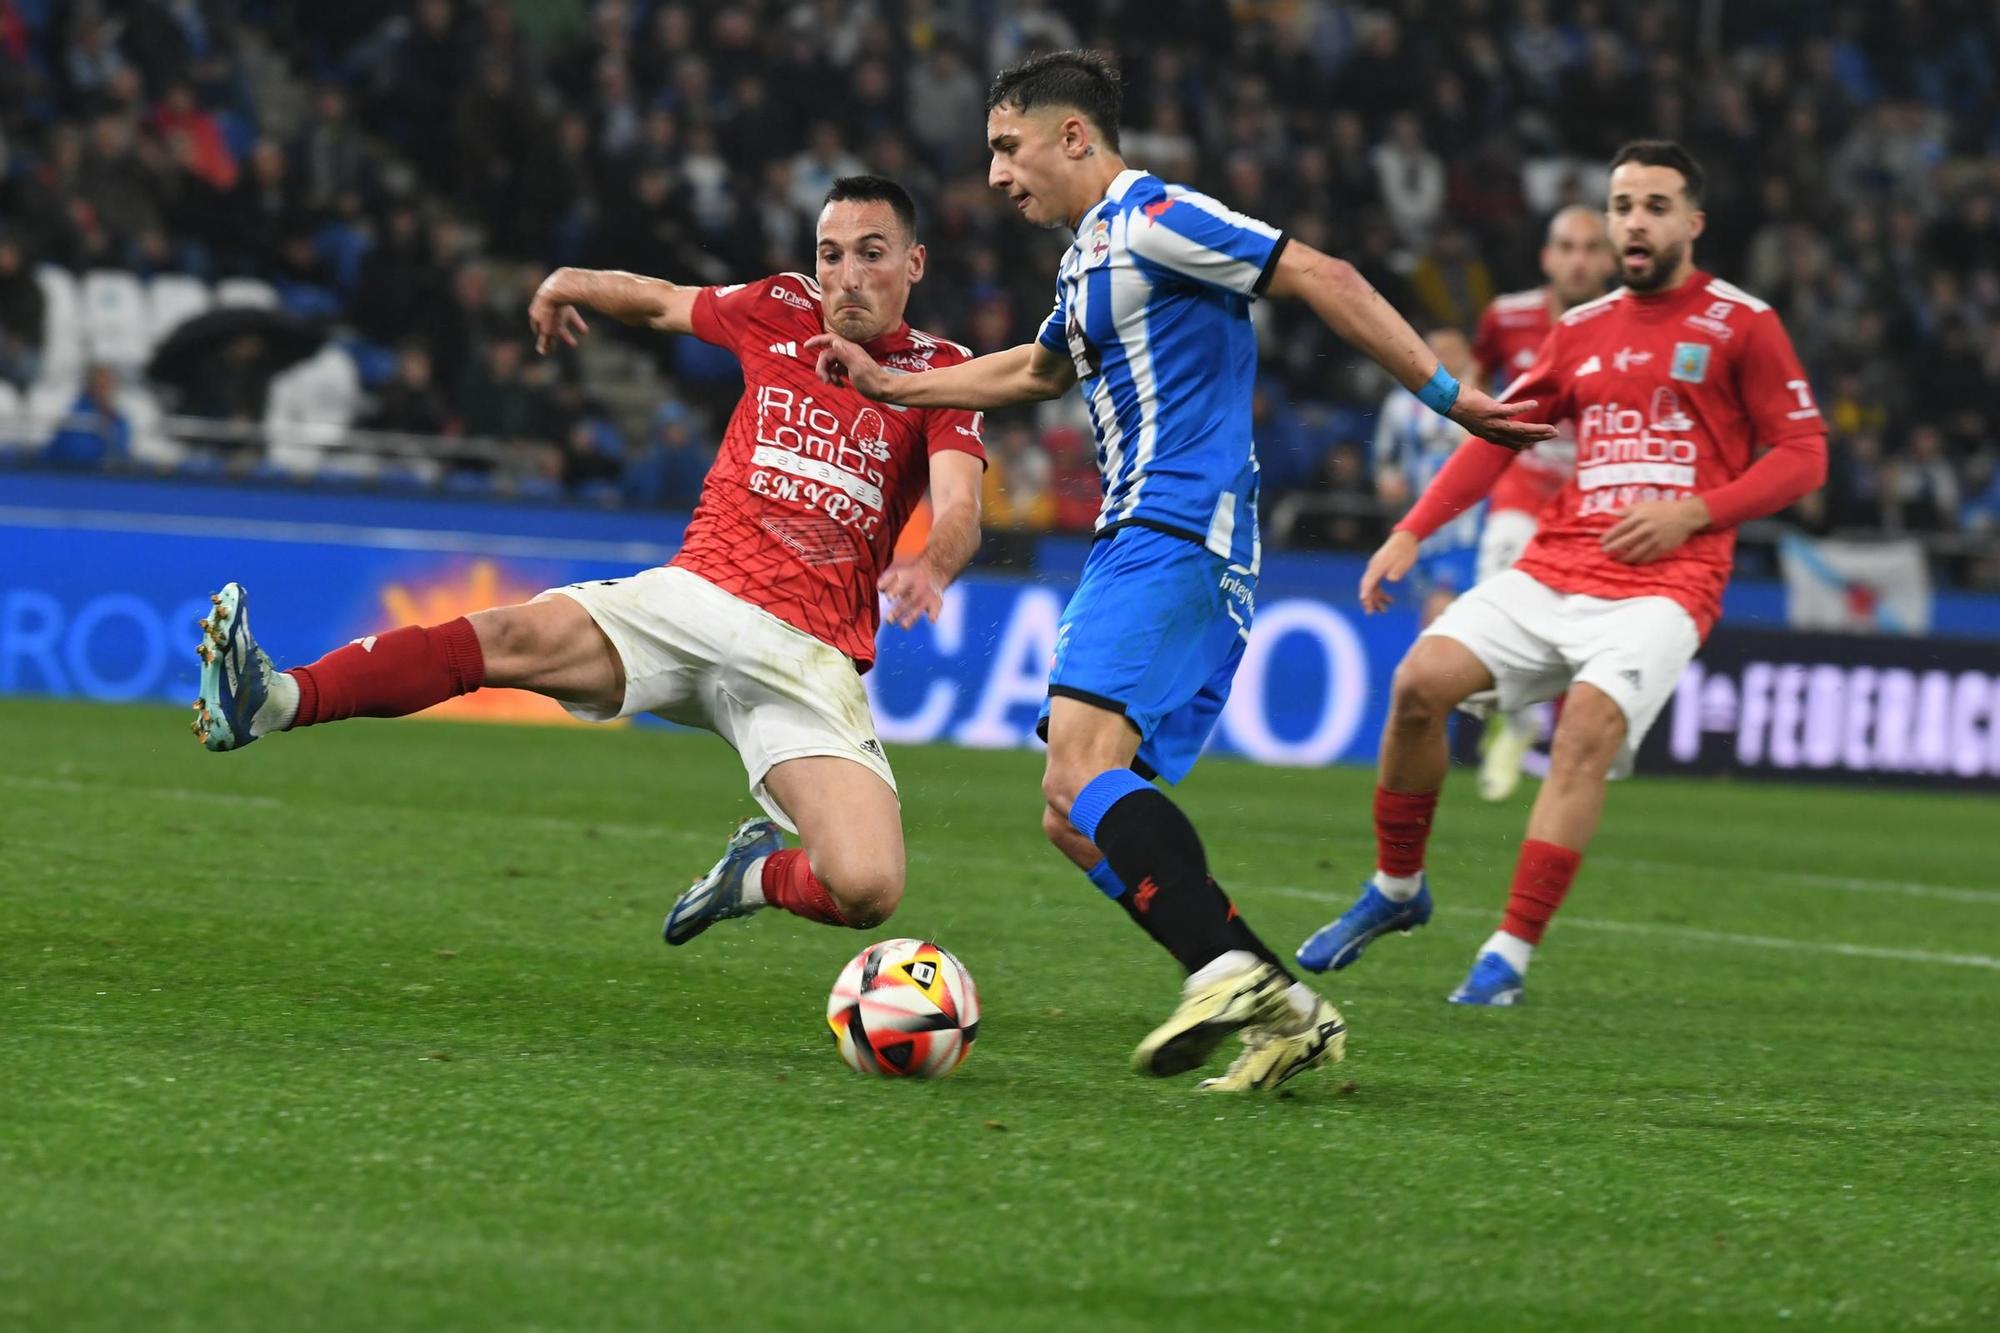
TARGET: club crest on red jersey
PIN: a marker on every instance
(1690, 363)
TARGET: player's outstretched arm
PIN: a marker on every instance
(1347, 304)
(1030, 373)
(915, 588)
(629, 298)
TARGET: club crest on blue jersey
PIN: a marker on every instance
(1099, 248)
(1690, 364)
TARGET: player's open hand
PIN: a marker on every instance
(1653, 529)
(553, 318)
(914, 594)
(1508, 424)
(1391, 563)
(843, 362)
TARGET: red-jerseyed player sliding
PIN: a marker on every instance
(760, 627)
(1576, 260)
(1675, 384)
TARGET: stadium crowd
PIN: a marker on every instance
(405, 171)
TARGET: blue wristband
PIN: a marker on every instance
(1440, 392)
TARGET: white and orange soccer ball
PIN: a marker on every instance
(904, 1009)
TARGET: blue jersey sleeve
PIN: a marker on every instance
(1054, 333)
(1196, 238)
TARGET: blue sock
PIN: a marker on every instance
(1099, 795)
(1107, 881)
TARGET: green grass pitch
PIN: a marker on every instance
(371, 1028)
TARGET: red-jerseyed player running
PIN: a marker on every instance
(1674, 384)
(760, 627)
(1576, 260)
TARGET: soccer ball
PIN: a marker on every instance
(904, 1009)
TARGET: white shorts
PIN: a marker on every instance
(1538, 642)
(1505, 535)
(698, 656)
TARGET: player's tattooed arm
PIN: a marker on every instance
(1348, 304)
(1030, 373)
(915, 588)
(629, 298)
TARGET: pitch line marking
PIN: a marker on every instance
(1913, 888)
(1697, 935)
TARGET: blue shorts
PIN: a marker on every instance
(1154, 631)
(1453, 571)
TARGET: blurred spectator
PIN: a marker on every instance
(194, 138)
(497, 398)
(1452, 282)
(1925, 488)
(330, 159)
(95, 434)
(1073, 478)
(945, 101)
(1411, 178)
(22, 306)
(410, 404)
(668, 470)
(1015, 493)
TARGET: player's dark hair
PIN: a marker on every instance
(876, 190)
(1665, 153)
(1084, 80)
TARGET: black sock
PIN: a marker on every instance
(1245, 938)
(1156, 851)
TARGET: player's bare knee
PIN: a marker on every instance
(867, 889)
(1416, 698)
(507, 638)
(1055, 826)
(1587, 741)
(1060, 784)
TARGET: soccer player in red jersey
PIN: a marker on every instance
(1692, 415)
(1576, 260)
(760, 628)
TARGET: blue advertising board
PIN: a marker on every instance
(100, 589)
(102, 580)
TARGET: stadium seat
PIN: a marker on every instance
(151, 444)
(309, 300)
(13, 418)
(49, 402)
(246, 292)
(376, 363)
(310, 407)
(477, 485)
(116, 327)
(200, 466)
(401, 478)
(62, 324)
(172, 299)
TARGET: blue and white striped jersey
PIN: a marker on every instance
(1153, 306)
(1413, 440)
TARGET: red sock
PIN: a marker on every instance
(790, 883)
(1402, 827)
(390, 675)
(1541, 880)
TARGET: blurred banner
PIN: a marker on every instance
(1835, 708)
(1860, 587)
(101, 603)
(102, 580)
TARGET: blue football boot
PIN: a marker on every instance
(1492, 980)
(1334, 946)
(718, 895)
(237, 676)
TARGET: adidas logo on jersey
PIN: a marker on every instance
(784, 349)
(1590, 367)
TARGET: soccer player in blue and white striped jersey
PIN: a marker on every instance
(1152, 320)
